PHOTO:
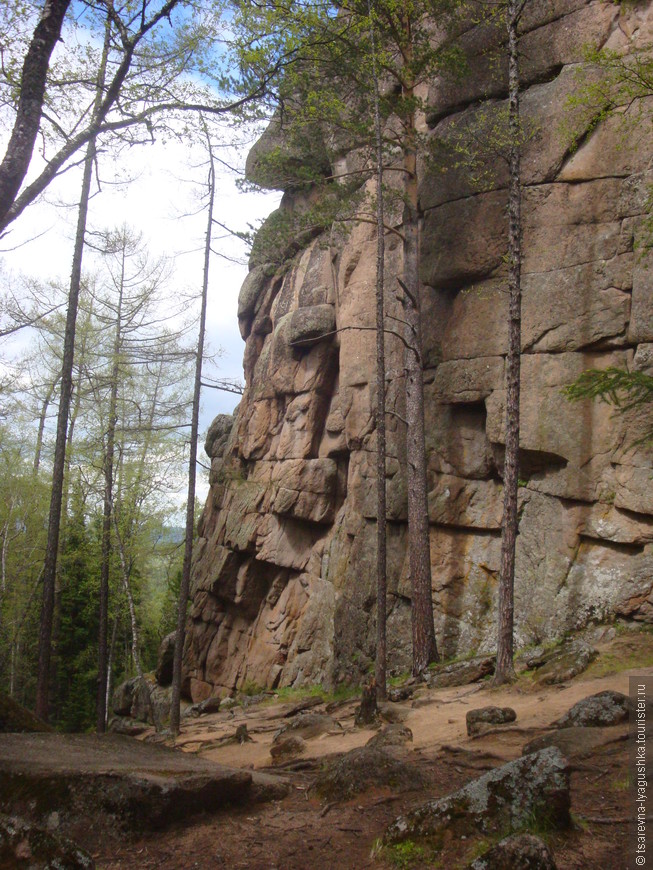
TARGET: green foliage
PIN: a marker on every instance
(624, 390)
(321, 91)
(407, 855)
(618, 387)
(78, 625)
(613, 82)
(147, 364)
(23, 505)
(250, 688)
(479, 144)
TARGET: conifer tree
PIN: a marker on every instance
(505, 671)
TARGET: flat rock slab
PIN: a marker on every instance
(576, 742)
(116, 782)
(461, 673)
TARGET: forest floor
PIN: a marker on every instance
(302, 832)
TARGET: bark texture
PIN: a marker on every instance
(15, 164)
(381, 508)
(505, 669)
(423, 628)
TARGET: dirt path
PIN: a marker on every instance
(302, 833)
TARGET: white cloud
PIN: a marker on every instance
(161, 203)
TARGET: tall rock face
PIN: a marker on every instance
(283, 587)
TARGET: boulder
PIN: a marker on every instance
(393, 713)
(218, 435)
(604, 708)
(142, 708)
(203, 708)
(23, 844)
(391, 735)
(165, 659)
(312, 324)
(519, 852)
(566, 662)
(123, 697)
(308, 725)
(363, 768)
(461, 673)
(401, 693)
(532, 789)
(479, 719)
(250, 291)
(15, 718)
(143, 700)
(287, 747)
(126, 726)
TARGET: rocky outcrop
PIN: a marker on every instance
(283, 580)
(461, 673)
(363, 768)
(142, 700)
(532, 790)
(81, 784)
(23, 844)
(16, 718)
(519, 852)
(483, 718)
(565, 662)
(597, 711)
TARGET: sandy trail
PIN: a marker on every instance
(437, 719)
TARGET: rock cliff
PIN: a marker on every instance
(283, 581)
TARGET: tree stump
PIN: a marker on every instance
(367, 713)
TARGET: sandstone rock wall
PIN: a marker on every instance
(283, 583)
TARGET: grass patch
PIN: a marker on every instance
(409, 854)
(296, 694)
(622, 783)
(250, 688)
(578, 822)
(616, 660)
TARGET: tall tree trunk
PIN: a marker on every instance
(424, 644)
(504, 668)
(56, 617)
(13, 168)
(381, 510)
(184, 589)
(107, 513)
(54, 520)
(42, 418)
(112, 649)
(54, 516)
